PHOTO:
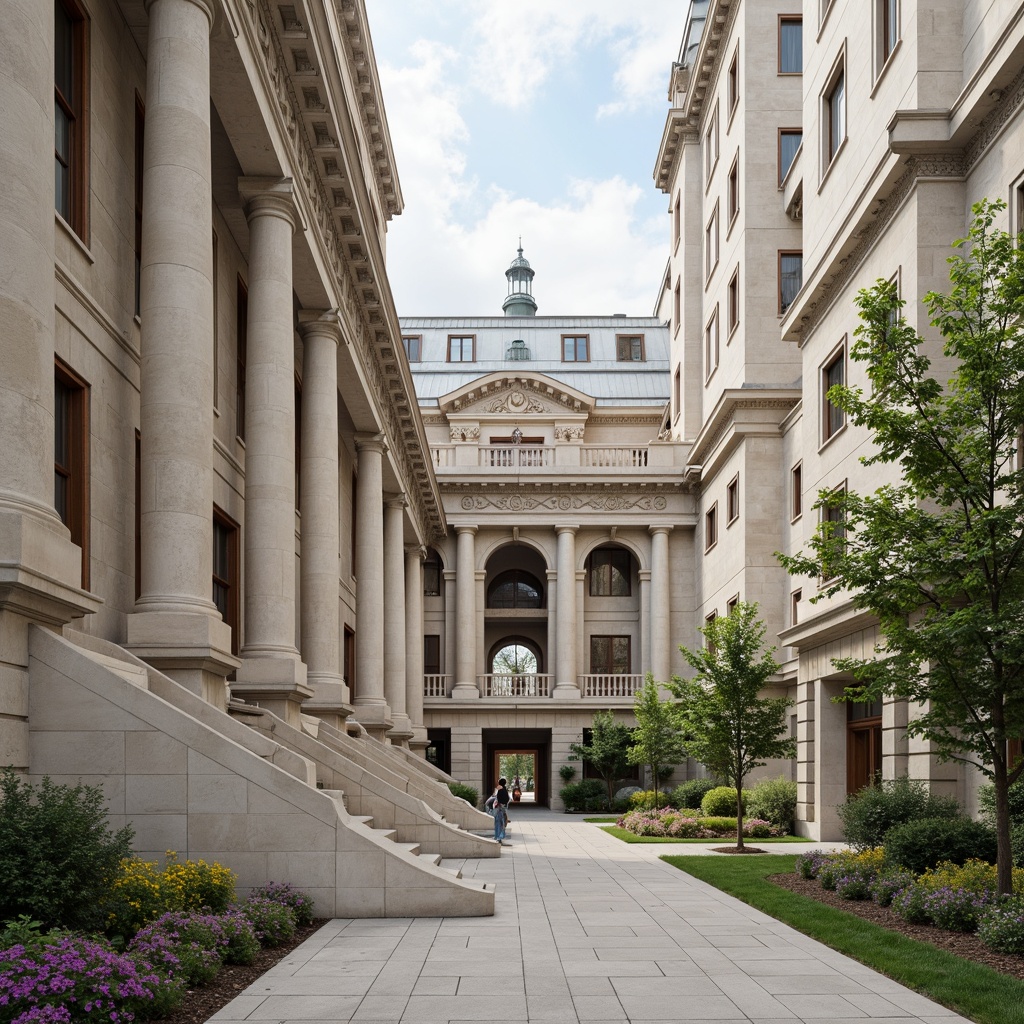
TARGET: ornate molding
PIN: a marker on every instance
(516, 401)
(569, 433)
(565, 502)
(459, 433)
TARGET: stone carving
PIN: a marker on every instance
(516, 402)
(459, 433)
(569, 433)
(566, 503)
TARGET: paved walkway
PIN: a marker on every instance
(586, 929)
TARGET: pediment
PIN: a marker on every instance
(518, 394)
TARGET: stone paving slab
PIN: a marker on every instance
(586, 930)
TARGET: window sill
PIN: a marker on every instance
(884, 68)
(835, 159)
(828, 440)
(711, 547)
(732, 333)
(73, 237)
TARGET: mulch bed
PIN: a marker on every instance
(200, 1004)
(968, 947)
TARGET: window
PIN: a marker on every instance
(225, 571)
(833, 373)
(462, 348)
(610, 571)
(711, 244)
(432, 574)
(711, 527)
(677, 308)
(832, 513)
(888, 26)
(71, 458)
(677, 391)
(730, 605)
(734, 300)
(432, 654)
(733, 192)
(796, 490)
(70, 87)
(348, 660)
(629, 348)
(413, 344)
(791, 45)
(610, 655)
(733, 90)
(575, 348)
(676, 216)
(140, 134)
(241, 332)
(794, 606)
(732, 500)
(708, 619)
(791, 278)
(863, 744)
(711, 146)
(515, 588)
(711, 345)
(834, 116)
(789, 145)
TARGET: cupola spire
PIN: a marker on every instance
(520, 300)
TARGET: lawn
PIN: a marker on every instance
(971, 989)
(632, 837)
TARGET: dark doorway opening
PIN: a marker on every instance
(439, 749)
(534, 746)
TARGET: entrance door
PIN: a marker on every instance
(519, 767)
(863, 745)
(527, 751)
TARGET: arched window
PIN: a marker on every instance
(514, 658)
(432, 574)
(610, 571)
(515, 588)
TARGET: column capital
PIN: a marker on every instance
(467, 529)
(320, 323)
(399, 501)
(416, 549)
(371, 443)
(655, 530)
(567, 529)
(274, 197)
(644, 575)
(206, 6)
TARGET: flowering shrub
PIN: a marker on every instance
(1001, 925)
(136, 896)
(850, 865)
(74, 981)
(674, 824)
(910, 905)
(975, 875)
(274, 922)
(886, 884)
(196, 885)
(956, 910)
(855, 886)
(283, 892)
(242, 943)
(183, 945)
(809, 864)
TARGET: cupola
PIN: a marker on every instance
(520, 300)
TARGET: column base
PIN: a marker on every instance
(374, 718)
(277, 684)
(465, 691)
(191, 648)
(401, 732)
(419, 741)
(566, 691)
(330, 700)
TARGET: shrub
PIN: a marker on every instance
(273, 921)
(23, 931)
(567, 772)
(974, 875)
(759, 828)
(719, 801)
(467, 793)
(643, 800)
(690, 793)
(1001, 925)
(136, 897)
(886, 884)
(853, 887)
(75, 980)
(849, 865)
(809, 864)
(870, 813)
(183, 945)
(919, 845)
(956, 910)
(719, 823)
(910, 905)
(585, 795)
(58, 855)
(196, 885)
(774, 800)
(283, 892)
(241, 941)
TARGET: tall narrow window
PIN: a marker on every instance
(711, 345)
(734, 189)
(677, 307)
(791, 278)
(708, 619)
(791, 46)
(225, 571)
(833, 373)
(676, 220)
(413, 344)
(711, 146)
(711, 244)
(732, 500)
(348, 659)
(833, 514)
(888, 28)
(610, 571)
(734, 300)
(711, 527)
(462, 348)
(834, 110)
(789, 145)
(432, 654)
(69, 110)
(575, 348)
(734, 81)
(71, 458)
(432, 574)
(241, 332)
(140, 137)
(677, 392)
(796, 488)
(794, 606)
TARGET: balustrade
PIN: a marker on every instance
(620, 684)
(532, 684)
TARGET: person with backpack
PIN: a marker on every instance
(497, 804)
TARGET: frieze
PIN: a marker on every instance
(464, 433)
(516, 401)
(565, 502)
(569, 433)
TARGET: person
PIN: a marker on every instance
(501, 799)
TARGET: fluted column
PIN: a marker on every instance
(661, 604)
(565, 662)
(36, 551)
(176, 625)
(414, 554)
(321, 531)
(371, 707)
(465, 608)
(394, 622)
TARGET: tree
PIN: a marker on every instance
(729, 727)
(937, 557)
(656, 738)
(607, 751)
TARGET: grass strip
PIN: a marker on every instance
(632, 837)
(969, 988)
(606, 820)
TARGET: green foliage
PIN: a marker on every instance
(690, 793)
(937, 557)
(774, 800)
(24, 931)
(868, 814)
(1015, 802)
(607, 751)
(643, 800)
(1001, 926)
(585, 795)
(974, 875)
(720, 801)
(467, 793)
(656, 738)
(729, 727)
(567, 772)
(274, 922)
(58, 856)
(923, 844)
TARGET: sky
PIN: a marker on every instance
(535, 118)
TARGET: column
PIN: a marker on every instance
(661, 604)
(321, 531)
(371, 708)
(175, 625)
(40, 572)
(450, 628)
(414, 555)
(644, 663)
(394, 622)
(465, 609)
(552, 632)
(272, 673)
(565, 631)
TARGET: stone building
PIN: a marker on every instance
(810, 150)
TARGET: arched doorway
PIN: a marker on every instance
(514, 668)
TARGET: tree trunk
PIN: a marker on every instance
(739, 815)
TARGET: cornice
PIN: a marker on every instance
(781, 401)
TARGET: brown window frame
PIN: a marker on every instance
(712, 247)
(76, 109)
(833, 514)
(677, 221)
(620, 339)
(834, 114)
(711, 527)
(786, 133)
(733, 81)
(608, 668)
(462, 339)
(833, 419)
(409, 348)
(74, 470)
(576, 339)
(231, 583)
(677, 392)
(790, 19)
(241, 351)
(783, 253)
(867, 730)
(733, 191)
(794, 606)
(732, 501)
(887, 13)
(708, 619)
(733, 300)
(711, 147)
(614, 554)
(730, 605)
(677, 305)
(712, 335)
(433, 574)
(796, 491)
(431, 658)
